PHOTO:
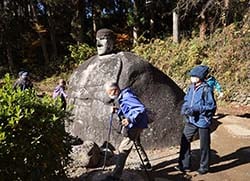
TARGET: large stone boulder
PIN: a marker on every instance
(157, 91)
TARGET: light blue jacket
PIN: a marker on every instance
(199, 105)
(132, 108)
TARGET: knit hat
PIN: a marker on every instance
(199, 71)
(25, 74)
(20, 73)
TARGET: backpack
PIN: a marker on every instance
(204, 97)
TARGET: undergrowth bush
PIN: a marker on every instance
(33, 142)
(81, 52)
(226, 52)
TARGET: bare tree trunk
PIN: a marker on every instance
(80, 19)
(175, 27)
(10, 58)
(94, 16)
(203, 28)
(44, 48)
(53, 36)
(42, 39)
(82, 16)
(151, 16)
(203, 16)
(52, 33)
(135, 35)
(226, 12)
(136, 26)
(2, 4)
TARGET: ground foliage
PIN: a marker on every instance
(33, 142)
(226, 52)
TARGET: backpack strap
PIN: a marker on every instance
(205, 95)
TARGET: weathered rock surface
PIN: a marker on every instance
(157, 91)
(87, 155)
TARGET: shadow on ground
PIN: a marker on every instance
(234, 159)
(246, 115)
(218, 164)
(164, 171)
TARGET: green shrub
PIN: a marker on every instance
(81, 52)
(33, 142)
(226, 52)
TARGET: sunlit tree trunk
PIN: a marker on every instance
(204, 19)
(136, 24)
(203, 28)
(175, 27)
(226, 12)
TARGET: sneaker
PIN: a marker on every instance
(202, 171)
(148, 167)
(181, 169)
(111, 178)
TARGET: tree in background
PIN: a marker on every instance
(208, 15)
(38, 32)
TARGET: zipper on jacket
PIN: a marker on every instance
(191, 104)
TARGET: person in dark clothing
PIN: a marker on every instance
(23, 82)
(198, 109)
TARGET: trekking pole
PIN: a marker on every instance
(144, 166)
(109, 132)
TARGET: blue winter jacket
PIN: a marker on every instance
(199, 105)
(132, 109)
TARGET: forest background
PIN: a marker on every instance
(50, 38)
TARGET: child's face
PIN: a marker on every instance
(62, 83)
(195, 80)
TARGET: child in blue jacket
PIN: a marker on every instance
(198, 109)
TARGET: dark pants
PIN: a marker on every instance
(185, 150)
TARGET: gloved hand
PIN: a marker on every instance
(125, 122)
(185, 110)
(113, 109)
(188, 111)
(195, 109)
(220, 95)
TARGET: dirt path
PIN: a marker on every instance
(230, 160)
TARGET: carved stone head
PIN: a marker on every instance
(105, 39)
